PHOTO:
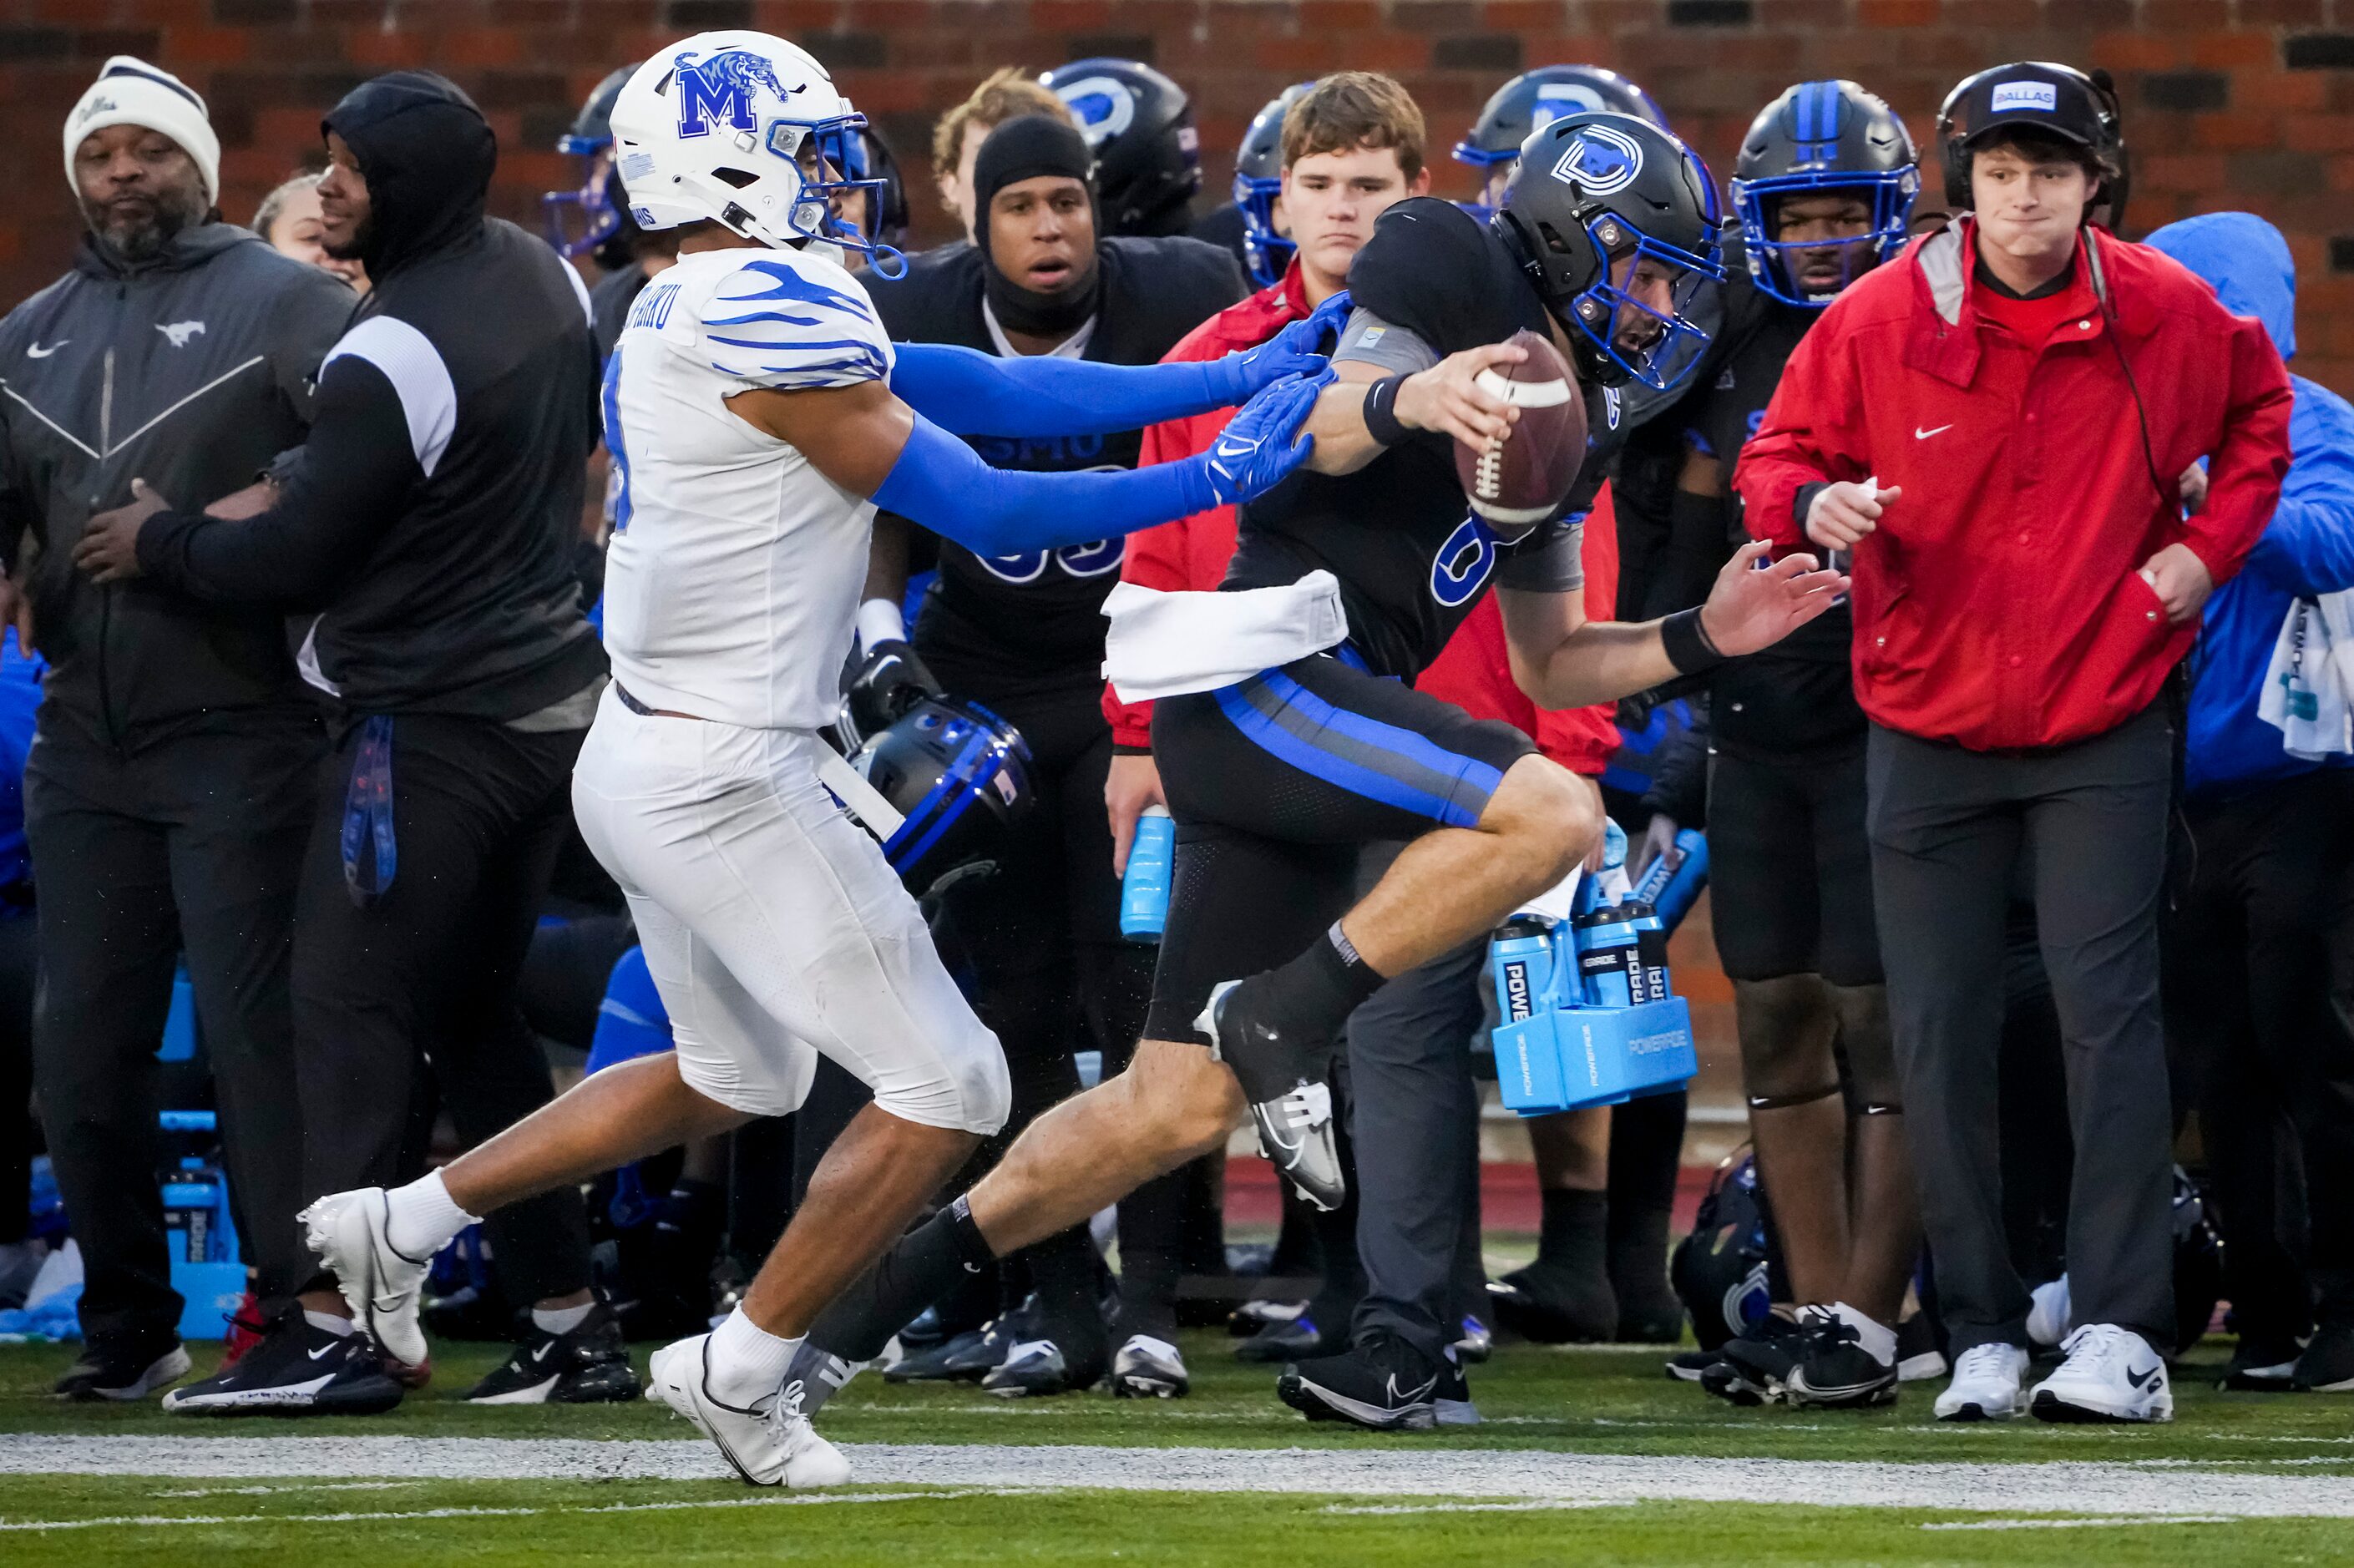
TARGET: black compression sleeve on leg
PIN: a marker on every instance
(908, 1278)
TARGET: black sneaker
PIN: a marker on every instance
(297, 1370)
(2327, 1364)
(1833, 1371)
(1293, 1341)
(970, 1356)
(124, 1370)
(1690, 1366)
(1282, 1075)
(1556, 1306)
(589, 1365)
(1383, 1384)
(2262, 1363)
(1750, 1366)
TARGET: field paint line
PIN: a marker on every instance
(2056, 1487)
(1551, 1505)
(295, 1487)
(144, 1521)
(2087, 1524)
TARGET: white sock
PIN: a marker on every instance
(422, 1219)
(748, 1363)
(560, 1319)
(1877, 1338)
(328, 1323)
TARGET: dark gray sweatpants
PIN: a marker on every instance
(1948, 826)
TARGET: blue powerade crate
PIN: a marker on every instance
(1555, 1053)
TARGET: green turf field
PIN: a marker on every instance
(1587, 1455)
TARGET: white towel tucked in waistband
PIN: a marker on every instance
(1166, 644)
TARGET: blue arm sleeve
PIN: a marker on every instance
(941, 483)
(2307, 548)
(973, 394)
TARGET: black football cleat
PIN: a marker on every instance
(1833, 1371)
(2261, 1364)
(1282, 1075)
(1287, 1340)
(1550, 1305)
(124, 1370)
(589, 1365)
(1751, 1366)
(2327, 1364)
(1381, 1384)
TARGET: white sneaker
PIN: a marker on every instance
(2048, 1312)
(383, 1288)
(770, 1444)
(1986, 1384)
(1148, 1368)
(2111, 1375)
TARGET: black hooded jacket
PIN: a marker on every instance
(190, 370)
(427, 523)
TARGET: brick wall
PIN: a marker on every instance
(2242, 103)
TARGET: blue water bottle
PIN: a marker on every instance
(1521, 958)
(1610, 960)
(1144, 890)
(1669, 889)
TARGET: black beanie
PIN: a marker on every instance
(1027, 148)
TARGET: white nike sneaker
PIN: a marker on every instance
(383, 1287)
(1986, 1384)
(770, 1444)
(2111, 1375)
(2048, 1312)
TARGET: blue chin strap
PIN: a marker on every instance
(1892, 193)
(840, 146)
(1268, 251)
(598, 218)
(1676, 351)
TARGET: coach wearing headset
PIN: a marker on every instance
(1995, 427)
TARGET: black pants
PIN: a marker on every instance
(20, 952)
(1948, 826)
(2269, 1065)
(193, 844)
(427, 972)
(1789, 869)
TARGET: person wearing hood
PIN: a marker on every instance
(168, 790)
(424, 534)
(1024, 635)
(2248, 961)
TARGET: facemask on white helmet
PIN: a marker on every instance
(746, 129)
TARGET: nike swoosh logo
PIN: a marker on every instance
(324, 1351)
(1398, 1397)
(1229, 450)
(2143, 1380)
(541, 1354)
(34, 351)
(1921, 435)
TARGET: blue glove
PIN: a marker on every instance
(1299, 349)
(1261, 445)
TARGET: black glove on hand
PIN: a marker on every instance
(890, 681)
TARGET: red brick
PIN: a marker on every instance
(1895, 12)
(2282, 13)
(1305, 54)
(2179, 171)
(1522, 15)
(379, 50)
(2317, 133)
(2227, 49)
(2123, 52)
(185, 47)
(2236, 130)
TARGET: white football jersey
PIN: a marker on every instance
(735, 569)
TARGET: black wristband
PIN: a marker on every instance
(1687, 645)
(1381, 412)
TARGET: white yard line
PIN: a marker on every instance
(773, 1499)
(2058, 1488)
(2111, 1523)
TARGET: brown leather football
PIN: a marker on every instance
(1520, 481)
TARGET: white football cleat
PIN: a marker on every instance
(1986, 1384)
(770, 1444)
(2111, 1375)
(1148, 1368)
(2048, 1312)
(383, 1288)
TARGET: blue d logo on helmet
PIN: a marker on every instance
(1599, 161)
(721, 89)
(1103, 106)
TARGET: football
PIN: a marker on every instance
(1520, 481)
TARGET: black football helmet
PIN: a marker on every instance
(959, 775)
(1823, 136)
(1258, 180)
(1596, 193)
(1719, 1271)
(2070, 104)
(1535, 98)
(595, 217)
(1139, 125)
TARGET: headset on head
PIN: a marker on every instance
(2107, 111)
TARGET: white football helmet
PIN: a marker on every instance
(747, 129)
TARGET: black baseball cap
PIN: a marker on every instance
(2057, 98)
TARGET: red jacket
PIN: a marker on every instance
(1998, 605)
(1471, 672)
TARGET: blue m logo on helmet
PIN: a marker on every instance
(719, 90)
(1599, 161)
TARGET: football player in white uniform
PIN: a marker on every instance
(757, 414)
